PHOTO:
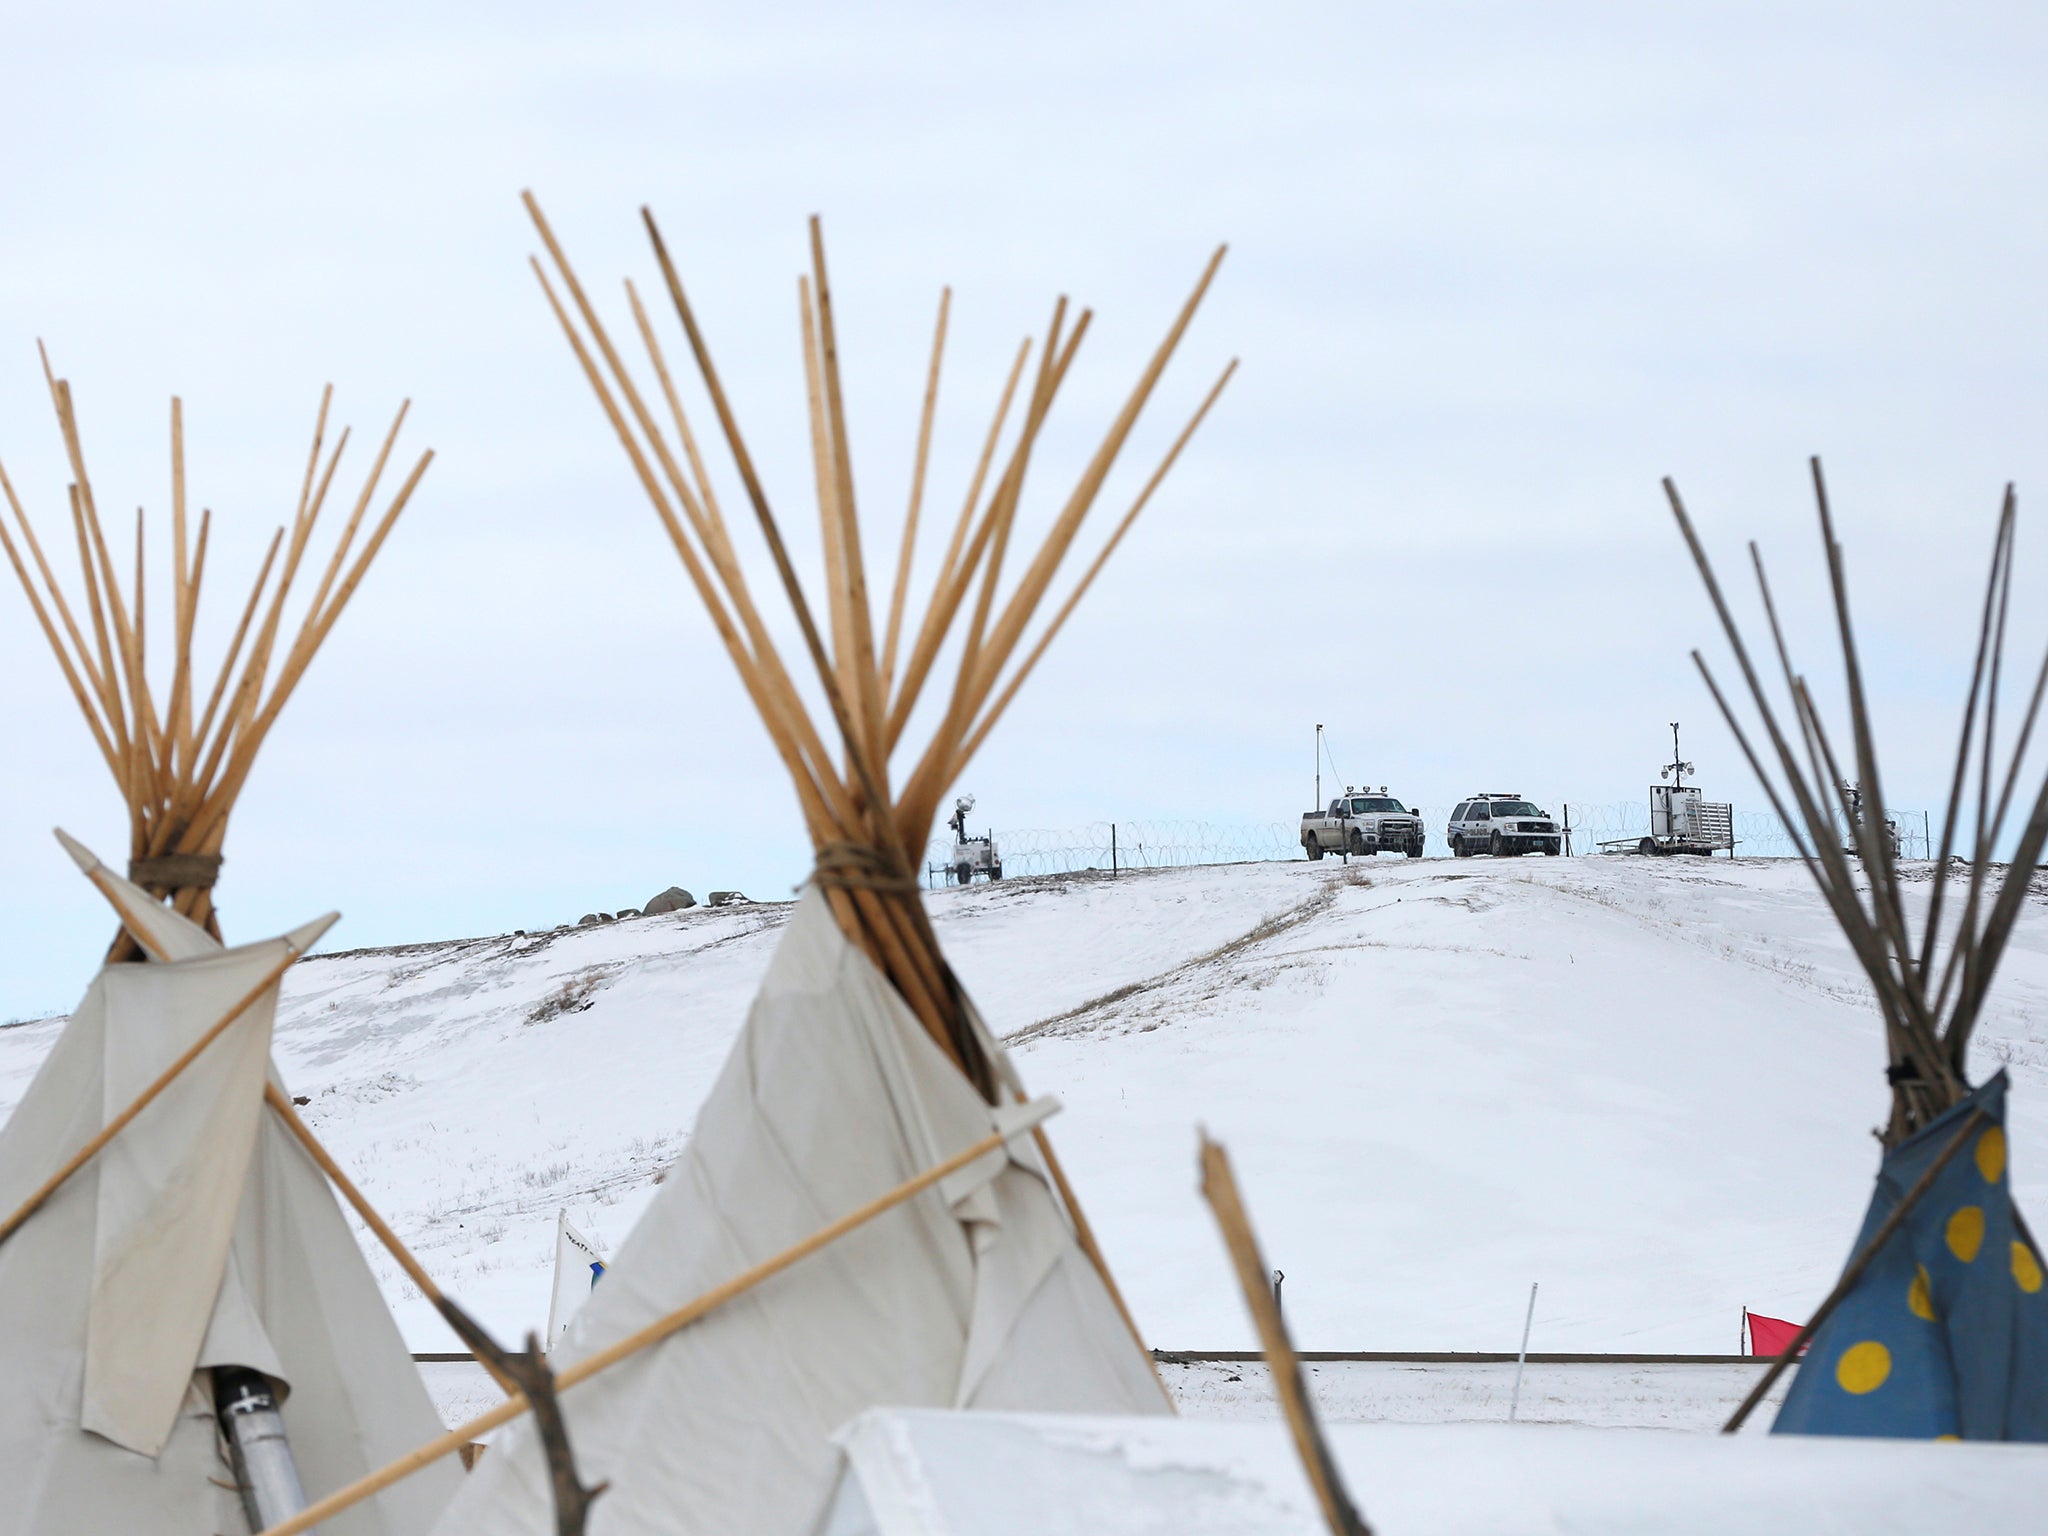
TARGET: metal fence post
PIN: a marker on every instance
(1522, 1359)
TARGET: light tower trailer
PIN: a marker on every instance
(971, 855)
(1852, 794)
(1682, 820)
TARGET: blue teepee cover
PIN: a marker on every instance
(1946, 1334)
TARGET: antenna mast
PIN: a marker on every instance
(1678, 767)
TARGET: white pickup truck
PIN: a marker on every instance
(1361, 821)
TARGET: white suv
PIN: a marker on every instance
(1500, 824)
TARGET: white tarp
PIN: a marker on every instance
(972, 1294)
(202, 1235)
(928, 1473)
(577, 1267)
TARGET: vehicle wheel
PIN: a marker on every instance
(1313, 848)
(1415, 850)
(1457, 846)
(996, 872)
(1494, 845)
(1647, 847)
(1358, 843)
(1551, 849)
(963, 874)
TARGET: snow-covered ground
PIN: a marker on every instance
(920, 1472)
(1646, 1084)
(1602, 1394)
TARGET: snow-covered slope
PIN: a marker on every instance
(1646, 1084)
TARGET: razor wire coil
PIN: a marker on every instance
(1173, 844)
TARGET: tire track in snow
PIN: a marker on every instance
(1267, 928)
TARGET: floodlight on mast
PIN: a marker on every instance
(1678, 767)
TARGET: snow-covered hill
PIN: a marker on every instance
(1646, 1084)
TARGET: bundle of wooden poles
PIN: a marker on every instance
(1930, 984)
(181, 766)
(872, 667)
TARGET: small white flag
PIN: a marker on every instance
(577, 1268)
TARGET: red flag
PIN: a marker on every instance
(1768, 1336)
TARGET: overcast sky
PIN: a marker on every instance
(1494, 270)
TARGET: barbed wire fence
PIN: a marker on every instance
(1174, 844)
(1758, 834)
(1130, 845)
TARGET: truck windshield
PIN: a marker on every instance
(1514, 808)
(1361, 806)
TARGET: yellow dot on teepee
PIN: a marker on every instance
(1966, 1232)
(1920, 1294)
(1956, 1438)
(1863, 1367)
(2026, 1269)
(1990, 1154)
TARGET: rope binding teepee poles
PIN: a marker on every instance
(181, 756)
(1833, 807)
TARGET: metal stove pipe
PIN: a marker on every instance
(264, 1468)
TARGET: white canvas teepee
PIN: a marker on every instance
(202, 1236)
(974, 1294)
(578, 1265)
(856, 1221)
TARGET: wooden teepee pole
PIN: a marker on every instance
(866, 694)
(1928, 1021)
(98, 1141)
(931, 631)
(288, 1115)
(994, 713)
(180, 767)
(803, 752)
(1283, 1365)
(868, 842)
(661, 1328)
(919, 465)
